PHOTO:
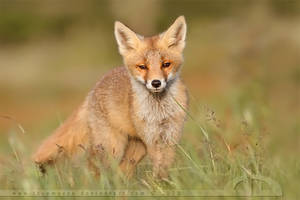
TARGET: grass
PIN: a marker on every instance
(209, 163)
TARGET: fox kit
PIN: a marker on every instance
(133, 110)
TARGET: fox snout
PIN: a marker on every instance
(156, 85)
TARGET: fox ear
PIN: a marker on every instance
(127, 40)
(174, 37)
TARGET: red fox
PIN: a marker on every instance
(133, 110)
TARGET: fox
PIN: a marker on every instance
(133, 111)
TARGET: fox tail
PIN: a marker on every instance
(66, 140)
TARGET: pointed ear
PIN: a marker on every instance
(127, 40)
(174, 37)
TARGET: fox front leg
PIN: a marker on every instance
(162, 156)
(134, 153)
(162, 150)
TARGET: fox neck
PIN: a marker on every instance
(154, 106)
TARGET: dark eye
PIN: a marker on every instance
(142, 67)
(166, 64)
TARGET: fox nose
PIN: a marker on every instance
(156, 83)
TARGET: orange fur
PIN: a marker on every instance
(66, 140)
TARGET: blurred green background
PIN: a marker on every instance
(242, 66)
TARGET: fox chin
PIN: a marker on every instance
(133, 111)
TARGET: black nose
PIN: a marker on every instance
(156, 83)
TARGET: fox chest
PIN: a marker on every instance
(154, 119)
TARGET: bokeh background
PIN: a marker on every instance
(242, 68)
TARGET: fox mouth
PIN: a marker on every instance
(156, 90)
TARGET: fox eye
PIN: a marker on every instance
(143, 67)
(166, 64)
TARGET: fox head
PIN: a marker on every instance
(153, 61)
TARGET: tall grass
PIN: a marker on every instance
(208, 164)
